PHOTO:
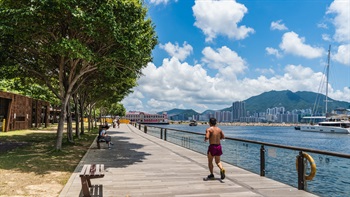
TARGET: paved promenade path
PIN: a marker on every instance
(142, 165)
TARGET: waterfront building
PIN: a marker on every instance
(287, 118)
(217, 115)
(238, 110)
(226, 116)
(142, 117)
(203, 117)
(250, 119)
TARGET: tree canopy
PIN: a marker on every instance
(63, 44)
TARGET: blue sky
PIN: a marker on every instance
(215, 52)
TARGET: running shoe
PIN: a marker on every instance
(211, 176)
(222, 173)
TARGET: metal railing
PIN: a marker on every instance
(285, 164)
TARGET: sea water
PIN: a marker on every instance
(339, 143)
(332, 177)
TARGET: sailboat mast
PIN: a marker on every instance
(329, 57)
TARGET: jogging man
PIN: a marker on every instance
(214, 134)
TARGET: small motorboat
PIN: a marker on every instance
(193, 123)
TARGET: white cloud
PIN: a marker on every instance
(158, 2)
(132, 103)
(221, 17)
(181, 85)
(273, 51)
(322, 25)
(343, 54)
(161, 105)
(326, 37)
(341, 9)
(292, 44)
(180, 53)
(265, 71)
(343, 95)
(276, 25)
(226, 61)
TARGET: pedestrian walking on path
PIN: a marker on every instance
(214, 134)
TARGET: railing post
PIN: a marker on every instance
(262, 160)
(145, 129)
(165, 134)
(161, 133)
(139, 126)
(301, 171)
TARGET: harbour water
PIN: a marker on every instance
(332, 177)
(280, 135)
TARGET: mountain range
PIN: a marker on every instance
(286, 98)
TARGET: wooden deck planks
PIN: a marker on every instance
(142, 165)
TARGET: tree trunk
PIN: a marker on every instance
(81, 108)
(69, 124)
(77, 116)
(95, 118)
(60, 127)
(90, 119)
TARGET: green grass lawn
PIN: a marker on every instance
(33, 151)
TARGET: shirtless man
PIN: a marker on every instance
(214, 134)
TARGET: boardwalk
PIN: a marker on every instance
(143, 165)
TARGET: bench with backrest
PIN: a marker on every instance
(91, 171)
(100, 139)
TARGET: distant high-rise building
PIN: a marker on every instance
(226, 116)
(238, 111)
(217, 115)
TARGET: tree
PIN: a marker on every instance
(64, 43)
(93, 95)
(118, 109)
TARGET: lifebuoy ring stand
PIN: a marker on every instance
(312, 163)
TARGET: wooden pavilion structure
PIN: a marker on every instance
(19, 112)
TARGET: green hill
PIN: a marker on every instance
(288, 99)
(271, 99)
(180, 114)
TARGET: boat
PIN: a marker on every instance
(336, 122)
(193, 123)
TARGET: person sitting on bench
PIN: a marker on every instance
(102, 136)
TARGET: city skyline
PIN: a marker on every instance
(239, 114)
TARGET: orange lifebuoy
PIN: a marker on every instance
(312, 165)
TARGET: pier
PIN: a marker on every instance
(142, 165)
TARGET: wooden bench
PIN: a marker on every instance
(98, 142)
(91, 171)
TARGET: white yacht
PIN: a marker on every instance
(337, 122)
(333, 124)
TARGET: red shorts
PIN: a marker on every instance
(215, 149)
